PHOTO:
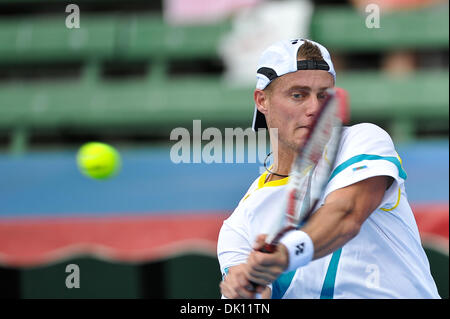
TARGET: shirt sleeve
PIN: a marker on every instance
(233, 246)
(366, 151)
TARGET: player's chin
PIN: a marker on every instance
(299, 139)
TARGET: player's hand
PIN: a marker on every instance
(235, 285)
(265, 268)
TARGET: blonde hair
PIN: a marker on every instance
(307, 51)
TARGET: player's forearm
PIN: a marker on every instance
(331, 227)
(344, 211)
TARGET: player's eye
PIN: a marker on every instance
(298, 95)
(322, 96)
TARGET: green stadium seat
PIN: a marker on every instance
(150, 37)
(47, 39)
(159, 104)
(373, 96)
(345, 29)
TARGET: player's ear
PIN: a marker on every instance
(261, 100)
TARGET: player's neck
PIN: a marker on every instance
(282, 162)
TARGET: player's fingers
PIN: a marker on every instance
(265, 293)
(263, 262)
(226, 291)
(245, 293)
(260, 288)
(263, 274)
(261, 278)
(230, 289)
(255, 289)
(244, 287)
(260, 281)
(259, 242)
(238, 287)
(270, 273)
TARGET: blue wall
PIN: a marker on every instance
(49, 183)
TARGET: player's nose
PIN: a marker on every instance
(313, 106)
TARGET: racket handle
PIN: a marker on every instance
(268, 248)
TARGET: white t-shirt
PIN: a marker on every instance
(385, 259)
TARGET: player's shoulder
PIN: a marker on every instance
(365, 138)
(259, 192)
(253, 186)
(239, 216)
(365, 129)
(240, 208)
(366, 135)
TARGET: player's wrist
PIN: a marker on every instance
(299, 247)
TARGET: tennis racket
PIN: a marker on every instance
(311, 168)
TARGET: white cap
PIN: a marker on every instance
(281, 58)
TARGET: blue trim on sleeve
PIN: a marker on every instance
(364, 157)
(225, 272)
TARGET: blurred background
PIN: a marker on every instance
(135, 70)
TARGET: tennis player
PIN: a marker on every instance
(363, 241)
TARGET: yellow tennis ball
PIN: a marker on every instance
(98, 160)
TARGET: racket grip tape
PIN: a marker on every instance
(268, 248)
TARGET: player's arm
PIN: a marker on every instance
(233, 249)
(345, 210)
(332, 226)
